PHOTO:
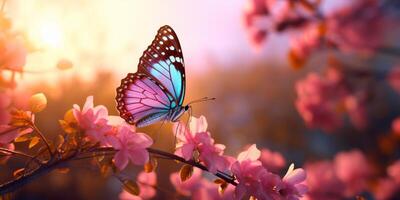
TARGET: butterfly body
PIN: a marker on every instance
(156, 91)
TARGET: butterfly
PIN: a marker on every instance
(157, 90)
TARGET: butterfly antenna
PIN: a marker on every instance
(202, 100)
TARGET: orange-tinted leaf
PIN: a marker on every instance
(131, 187)
(186, 172)
(151, 165)
(296, 61)
(18, 172)
(20, 118)
(60, 141)
(222, 187)
(34, 141)
(22, 138)
(219, 181)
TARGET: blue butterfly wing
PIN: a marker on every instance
(141, 101)
(163, 61)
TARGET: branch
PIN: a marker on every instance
(18, 153)
(227, 178)
(43, 138)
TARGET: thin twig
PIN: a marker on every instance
(18, 153)
(43, 138)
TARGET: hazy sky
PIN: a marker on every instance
(113, 34)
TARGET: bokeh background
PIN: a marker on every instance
(255, 88)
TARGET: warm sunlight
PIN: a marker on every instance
(50, 34)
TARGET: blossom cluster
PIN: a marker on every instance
(347, 25)
(348, 175)
(321, 101)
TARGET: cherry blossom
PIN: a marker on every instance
(131, 146)
(196, 138)
(323, 182)
(93, 120)
(146, 182)
(394, 171)
(353, 169)
(272, 160)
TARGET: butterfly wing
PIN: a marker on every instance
(163, 61)
(141, 100)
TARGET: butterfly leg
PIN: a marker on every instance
(157, 133)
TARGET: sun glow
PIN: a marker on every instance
(49, 35)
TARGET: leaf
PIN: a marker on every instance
(222, 187)
(69, 123)
(132, 187)
(22, 138)
(105, 170)
(150, 166)
(18, 172)
(60, 141)
(34, 141)
(37, 102)
(218, 181)
(20, 118)
(186, 172)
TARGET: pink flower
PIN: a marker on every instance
(198, 139)
(393, 78)
(394, 171)
(318, 100)
(353, 169)
(146, 182)
(248, 171)
(93, 120)
(293, 186)
(385, 190)
(12, 53)
(323, 182)
(303, 45)
(131, 146)
(199, 188)
(356, 108)
(358, 26)
(188, 187)
(396, 126)
(271, 160)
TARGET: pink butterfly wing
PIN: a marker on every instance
(141, 100)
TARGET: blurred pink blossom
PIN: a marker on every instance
(93, 120)
(12, 53)
(318, 100)
(357, 26)
(353, 169)
(196, 138)
(323, 182)
(188, 187)
(393, 78)
(306, 42)
(385, 189)
(272, 160)
(131, 146)
(146, 182)
(394, 171)
(396, 126)
(356, 108)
